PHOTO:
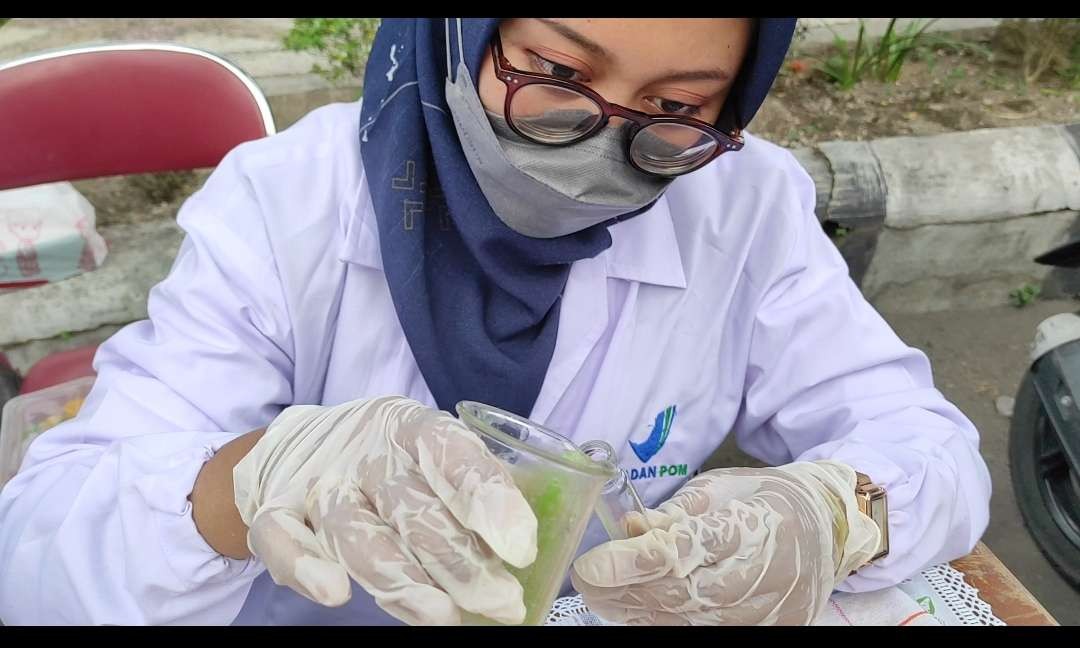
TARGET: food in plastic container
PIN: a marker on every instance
(25, 417)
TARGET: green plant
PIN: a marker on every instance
(847, 66)
(835, 231)
(1041, 46)
(343, 42)
(894, 48)
(1071, 73)
(883, 59)
(1024, 295)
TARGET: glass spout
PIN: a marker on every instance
(619, 508)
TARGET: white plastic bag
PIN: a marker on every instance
(47, 234)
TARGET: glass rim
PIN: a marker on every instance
(467, 413)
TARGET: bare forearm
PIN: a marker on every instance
(212, 504)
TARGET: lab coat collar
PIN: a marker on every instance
(360, 235)
(643, 249)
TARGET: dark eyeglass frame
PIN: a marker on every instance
(515, 80)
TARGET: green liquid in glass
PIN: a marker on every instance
(562, 503)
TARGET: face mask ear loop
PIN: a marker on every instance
(449, 68)
(460, 46)
(461, 49)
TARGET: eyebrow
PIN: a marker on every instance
(697, 75)
(577, 37)
(596, 48)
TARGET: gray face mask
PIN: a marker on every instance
(544, 191)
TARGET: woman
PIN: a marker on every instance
(562, 218)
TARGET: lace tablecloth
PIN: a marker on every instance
(940, 592)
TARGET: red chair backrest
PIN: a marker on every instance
(121, 109)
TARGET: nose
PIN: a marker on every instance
(620, 94)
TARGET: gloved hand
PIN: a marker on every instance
(739, 546)
(402, 497)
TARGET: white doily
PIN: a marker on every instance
(940, 590)
(950, 595)
(571, 611)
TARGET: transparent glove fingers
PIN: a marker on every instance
(738, 530)
(470, 481)
(456, 559)
(740, 564)
(294, 558)
(713, 490)
(703, 598)
(376, 557)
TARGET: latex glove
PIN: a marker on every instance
(739, 546)
(401, 497)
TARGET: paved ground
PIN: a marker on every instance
(977, 356)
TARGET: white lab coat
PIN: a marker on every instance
(726, 300)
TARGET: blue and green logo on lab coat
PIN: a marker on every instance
(648, 448)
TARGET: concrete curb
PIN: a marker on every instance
(140, 256)
(912, 181)
(917, 205)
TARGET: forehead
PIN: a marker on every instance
(663, 42)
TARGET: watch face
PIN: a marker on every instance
(877, 509)
(880, 515)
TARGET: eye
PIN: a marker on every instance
(557, 70)
(671, 107)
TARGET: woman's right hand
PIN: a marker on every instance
(401, 497)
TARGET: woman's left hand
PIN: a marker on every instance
(738, 546)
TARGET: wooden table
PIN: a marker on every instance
(1007, 596)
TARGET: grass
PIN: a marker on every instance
(1071, 73)
(343, 42)
(883, 60)
(1024, 295)
(1041, 47)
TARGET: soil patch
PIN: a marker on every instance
(942, 89)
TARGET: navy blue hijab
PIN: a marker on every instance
(478, 302)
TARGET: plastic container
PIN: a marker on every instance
(27, 416)
(563, 484)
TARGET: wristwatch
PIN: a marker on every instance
(874, 505)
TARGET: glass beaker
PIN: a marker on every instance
(563, 484)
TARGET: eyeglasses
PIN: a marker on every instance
(557, 112)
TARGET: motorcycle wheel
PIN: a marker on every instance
(1047, 489)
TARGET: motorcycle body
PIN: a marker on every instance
(1044, 438)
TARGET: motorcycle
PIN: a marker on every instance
(1044, 437)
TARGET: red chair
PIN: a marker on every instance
(119, 109)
